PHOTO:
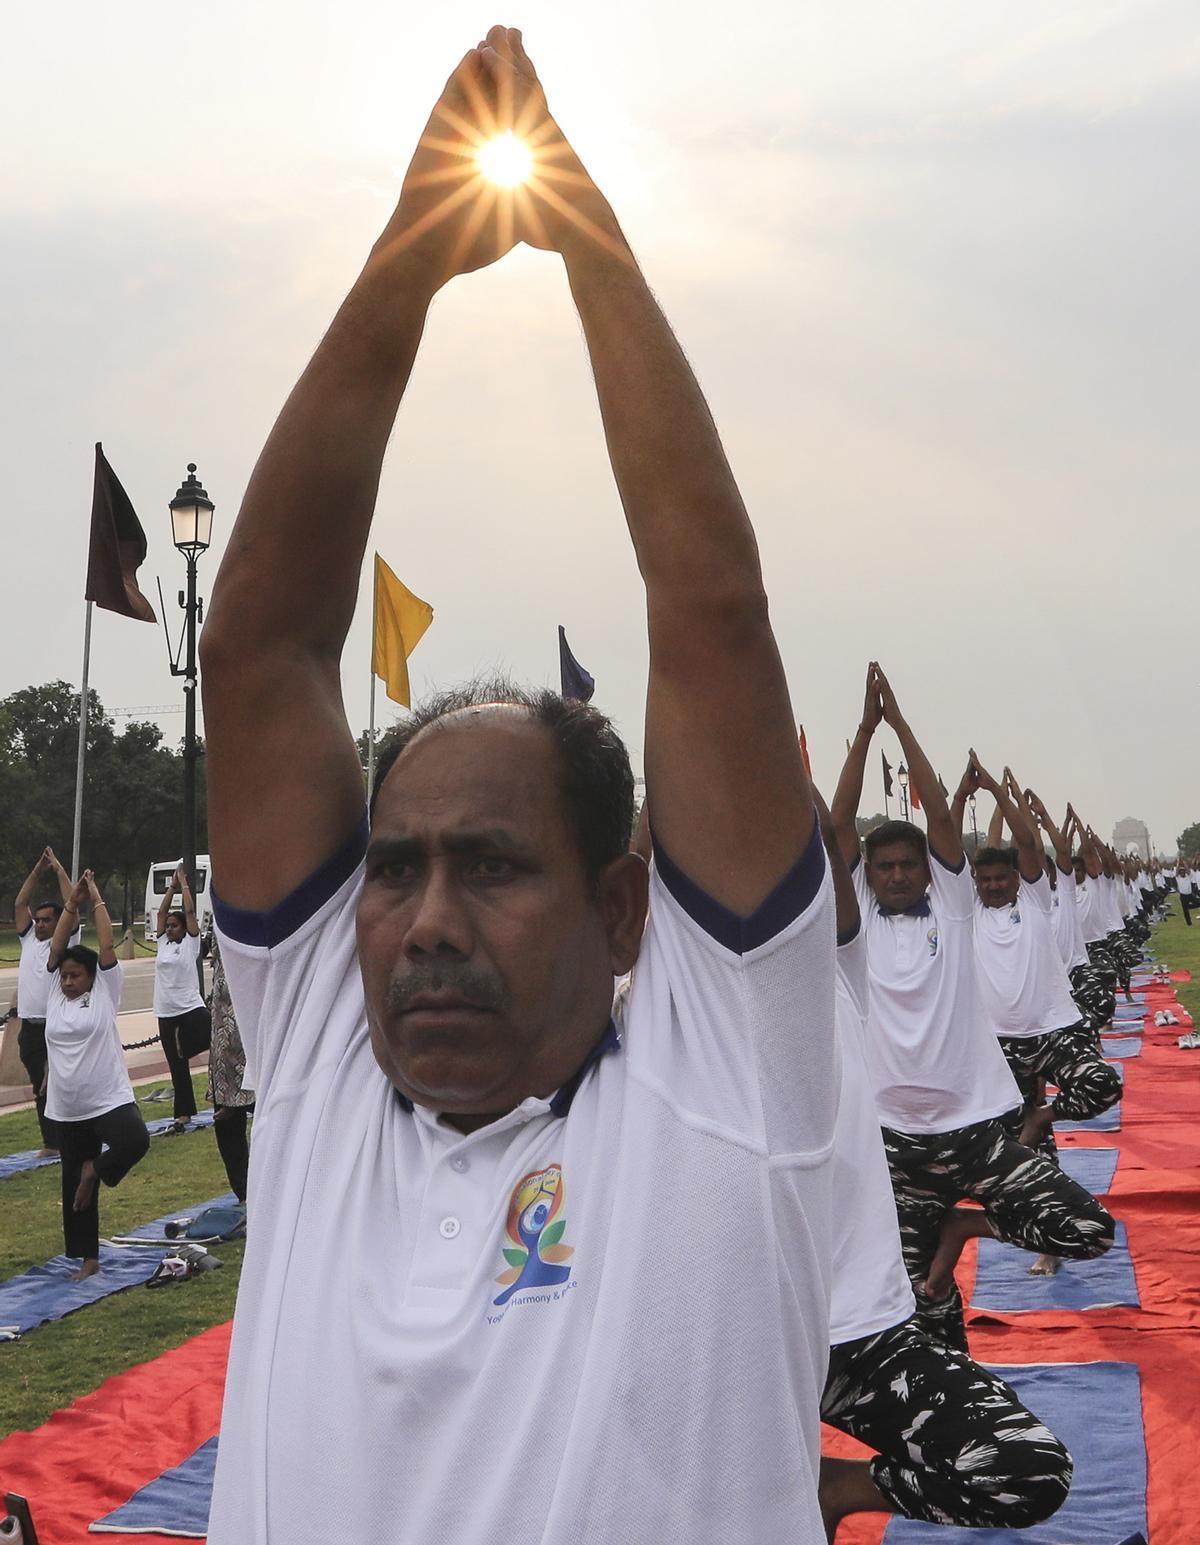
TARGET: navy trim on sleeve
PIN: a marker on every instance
(112, 966)
(27, 929)
(952, 868)
(783, 906)
(267, 929)
(609, 1041)
(849, 935)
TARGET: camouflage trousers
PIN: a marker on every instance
(1027, 1199)
(1069, 1059)
(955, 1444)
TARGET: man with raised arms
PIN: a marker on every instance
(954, 1443)
(1026, 992)
(941, 1081)
(517, 1271)
(1087, 989)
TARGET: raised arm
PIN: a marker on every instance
(995, 831)
(285, 594)
(848, 794)
(1025, 830)
(164, 909)
(68, 922)
(189, 906)
(728, 794)
(845, 897)
(945, 840)
(967, 786)
(102, 921)
(22, 915)
(1087, 847)
(1059, 839)
(1029, 852)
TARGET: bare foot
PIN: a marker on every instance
(86, 1189)
(89, 1269)
(47, 1153)
(1045, 1266)
(959, 1225)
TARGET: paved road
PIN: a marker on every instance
(137, 993)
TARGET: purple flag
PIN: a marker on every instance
(576, 683)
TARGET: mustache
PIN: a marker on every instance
(479, 988)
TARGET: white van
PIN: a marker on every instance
(158, 882)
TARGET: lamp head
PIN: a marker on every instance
(191, 515)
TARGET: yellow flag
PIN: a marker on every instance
(400, 621)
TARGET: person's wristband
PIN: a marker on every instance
(96, 905)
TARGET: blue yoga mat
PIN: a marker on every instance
(1108, 1121)
(45, 1293)
(29, 1158)
(1003, 1283)
(1107, 1501)
(177, 1502)
(1092, 1168)
(1121, 1046)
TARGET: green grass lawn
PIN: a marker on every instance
(1179, 946)
(54, 1364)
(10, 944)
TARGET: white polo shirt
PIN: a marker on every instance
(1110, 903)
(871, 1290)
(176, 978)
(1021, 974)
(85, 1060)
(1184, 882)
(1092, 916)
(1065, 920)
(934, 1060)
(33, 979)
(603, 1317)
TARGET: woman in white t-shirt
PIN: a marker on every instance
(88, 1092)
(184, 1025)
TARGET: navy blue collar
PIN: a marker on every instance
(918, 909)
(560, 1103)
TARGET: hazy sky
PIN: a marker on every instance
(935, 266)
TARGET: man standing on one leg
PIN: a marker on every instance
(955, 1444)
(1064, 917)
(178, 1001)
(495, 1188)
(1093, 919)
(941, 1081)
(35, 927)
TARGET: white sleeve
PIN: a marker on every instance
(293, 972)
(953, 890)
(1037, 893)
(111, 980)
(730, 1020)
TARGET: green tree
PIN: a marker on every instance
(132, 796)
(1189, 839)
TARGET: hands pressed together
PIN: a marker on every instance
(450, 219)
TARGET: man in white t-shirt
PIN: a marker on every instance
(515, 1269)
(1185, 881)
(941, 1081)
(1093, 916)
(179, 1006)
(35, 929)
(955, 1444)
(1026, 991)
(1087, 991)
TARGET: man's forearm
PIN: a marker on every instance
(306, 514)
(848, 795)
(689, 526)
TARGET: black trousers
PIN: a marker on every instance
(229, 1128)
(123, 1129)
(181, 1073)
(31, 1048)
(1187, 900)
(956, 1446)
(1027, 1199)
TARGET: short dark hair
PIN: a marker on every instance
(53, 906)
(1005, 856)
(597, 780)
(888, 832)
(83, 956)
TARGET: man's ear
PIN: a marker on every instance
(624, 900)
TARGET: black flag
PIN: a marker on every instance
(116, 548)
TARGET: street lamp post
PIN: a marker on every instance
(191, 531)
(902, 775)
(974, 822)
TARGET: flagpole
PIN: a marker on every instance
(371, 741)
(83, 718)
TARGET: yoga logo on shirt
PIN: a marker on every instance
(535, 1228)
(932, 938)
